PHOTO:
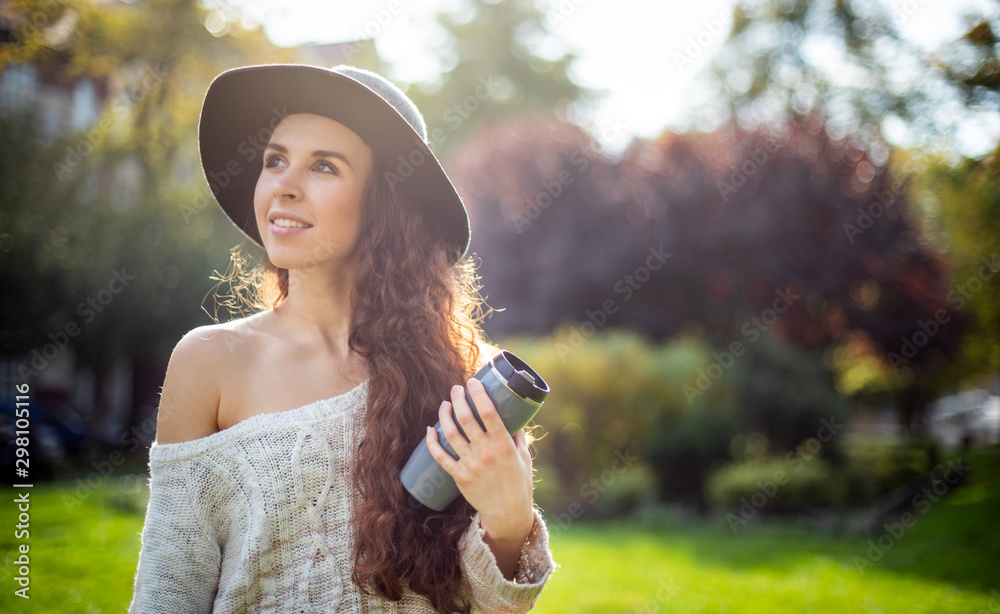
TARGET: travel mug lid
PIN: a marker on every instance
(519, 377)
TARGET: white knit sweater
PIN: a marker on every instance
(256, 518)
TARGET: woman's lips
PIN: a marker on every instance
(286, 231)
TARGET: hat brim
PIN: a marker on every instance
(243, 105)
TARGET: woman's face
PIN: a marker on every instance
(309, 194)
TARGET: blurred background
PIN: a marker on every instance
(752, 245)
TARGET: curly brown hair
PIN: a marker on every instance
(416, 319)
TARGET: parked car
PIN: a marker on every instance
(56, 434)
(967, 419)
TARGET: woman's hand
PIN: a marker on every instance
(493, 471)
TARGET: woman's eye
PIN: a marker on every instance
(272, 160)
(326, 167)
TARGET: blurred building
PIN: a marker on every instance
(965, 420)
(62, 104)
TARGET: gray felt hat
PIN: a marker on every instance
(243, 105)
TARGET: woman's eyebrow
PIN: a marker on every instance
(319, 153)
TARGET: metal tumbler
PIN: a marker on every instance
(517, 392)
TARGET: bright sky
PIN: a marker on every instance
(631, 49)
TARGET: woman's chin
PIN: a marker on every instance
(308, 254)
(292, 263)
(287, 259)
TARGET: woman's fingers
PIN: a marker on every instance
(438, 452)
(463, 413)
(478, 450)
(493, 471)
(487, 411)
(521, 443)
(450, 430)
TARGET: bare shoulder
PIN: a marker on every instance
(189, 401)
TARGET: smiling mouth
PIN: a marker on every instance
(286, 223)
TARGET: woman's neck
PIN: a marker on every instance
(317, 309)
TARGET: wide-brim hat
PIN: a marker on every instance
(243, 106)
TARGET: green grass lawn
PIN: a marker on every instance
(83, 559)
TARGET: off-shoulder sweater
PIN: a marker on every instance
(257, 518)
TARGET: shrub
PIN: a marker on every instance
(548, 490)
(873, 469)
(776, 485)
(634, 488)
(686, 447)
(785, 393)
(863, 473)
(606, 391)
(614, 393)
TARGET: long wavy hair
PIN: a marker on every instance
(416, 320)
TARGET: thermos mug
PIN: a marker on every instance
(517, 393)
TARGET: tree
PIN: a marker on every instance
(494, 71)
(112, 224)
(848, 60)
(737, 234)
(962, 215)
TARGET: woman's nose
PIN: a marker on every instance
(287, 187)
(283, 191)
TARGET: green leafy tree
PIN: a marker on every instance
(962, 203)
(494, 70)
(849, 61)
(112, 230)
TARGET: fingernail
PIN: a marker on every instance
(456, 388)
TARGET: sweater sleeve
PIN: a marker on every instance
(179, 561)
(491, 591)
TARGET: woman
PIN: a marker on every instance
(274, 477)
